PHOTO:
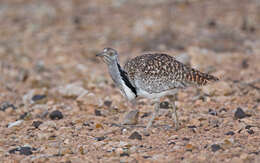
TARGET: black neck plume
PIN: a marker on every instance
(125, 78)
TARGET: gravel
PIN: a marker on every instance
(135, 135)
(56, 115)
(240, 114)
(215, 147)
(48, 63)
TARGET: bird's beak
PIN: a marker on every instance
(102, 54)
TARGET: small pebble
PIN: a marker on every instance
(223, 110)
(146, 157)
(215, 147)
(131, 118)
(164, 105)
(16, 123)
(230, 133)
(171, 143)
(38, 97)
(248, 127)
(250, 131)
(245, 64)
(255, 152)
(98, 112)
(193, 126)
(36, 124)
(124, 154)
(56, 115)
(22, 150)
(23, 115)
(107, 103)
(135, 135)
(239, 114)
(212, 23)
(6, 105)
(146, 115)
(212, 112)
(101, 138)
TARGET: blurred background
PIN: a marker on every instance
(53, 35)
(46, 44)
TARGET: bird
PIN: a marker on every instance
(153, 76)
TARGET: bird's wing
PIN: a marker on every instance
(160, 72)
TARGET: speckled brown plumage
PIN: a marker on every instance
(156, 73)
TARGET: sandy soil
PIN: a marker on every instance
(58, 103)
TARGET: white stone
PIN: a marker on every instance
(16, 123)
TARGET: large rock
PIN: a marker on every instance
(89, 99)
(131, 118)
(72, 90)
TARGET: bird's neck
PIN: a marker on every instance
(114, 72)
(121, 80)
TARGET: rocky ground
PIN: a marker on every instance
(58, 103)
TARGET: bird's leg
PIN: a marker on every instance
(174, 111)
(155, 113)
(175, 115)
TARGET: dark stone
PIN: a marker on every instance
(245, 64)
(86, 124)
(56, 115)
(215, 147)
(38, 97)
(107, 103)
(36, 124)
(255, 152)
(52, 137)
(230, 133)
(252, 29)
(239, 114)
(248, 127)
(146, 115)
(186, 139)
(6, 105)
(124, 154)
(250, 131)
(135, 135)
(77, 20)
(212, 23)
(164, 105)
(193, 126)
(172, 143)
(98, 112)
(212, 112)
(23, 115)
(100, 138)
(189, 150)
(239, 131)
(58, 155)
(146, 157)
(223, 110)
(22, 150)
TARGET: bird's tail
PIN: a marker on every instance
(200, 78)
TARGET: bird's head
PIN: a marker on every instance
(108, 55)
